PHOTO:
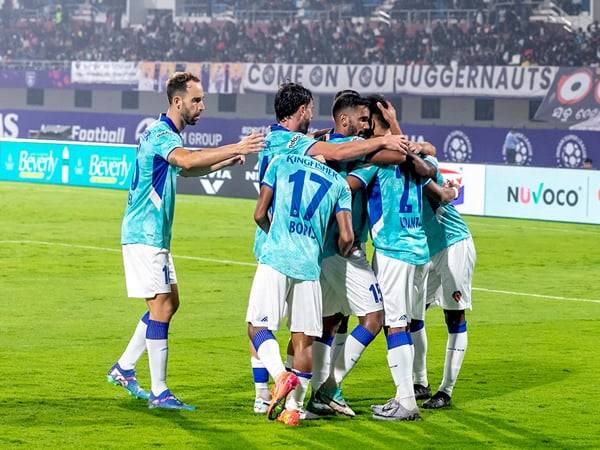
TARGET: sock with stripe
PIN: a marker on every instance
(419, 338)
(351, 352)
(321, 352)
(400, 356)
(267, 349)
(158, 351)
(136, 346)
(295, 398)
(455, 352)
(261, 379)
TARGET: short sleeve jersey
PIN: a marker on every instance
(359, 205)
(443, 224)
(306, 193)
(394, 204)
(151, 200)
(280, 141)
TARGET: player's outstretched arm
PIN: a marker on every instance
(189, 160)
(387, 157)
(261, 212)
(444, 194)
(356, 149)
(346, 239)
(240, 159)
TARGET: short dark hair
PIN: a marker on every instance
(588, 160)
(346, 101)
(289, 98)
(177, 83)
(375, 111)
(344, 92)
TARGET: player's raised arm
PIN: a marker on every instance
(356, 149)
(201, 162)
(417, 164)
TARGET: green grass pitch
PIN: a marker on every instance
(530, 376)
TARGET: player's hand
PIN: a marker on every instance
(253, 143)
(414, 147)
(389, 113)
(395, 142)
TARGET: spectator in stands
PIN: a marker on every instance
(587, 163)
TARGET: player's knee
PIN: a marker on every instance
(454, 318)
(373, 322)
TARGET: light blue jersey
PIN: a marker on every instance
(394, 205)
(359, 204)
(306, 194)
(151, 201)
(442, 223)
(280, 141)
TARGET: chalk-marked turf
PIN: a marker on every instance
(241, 263)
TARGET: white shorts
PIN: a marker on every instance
(148, 270)
(451, 275)
(274, 296)
(349, 286)
(401, 285)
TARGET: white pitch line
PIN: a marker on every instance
(114, 250)
(550, 297)
(247, 264)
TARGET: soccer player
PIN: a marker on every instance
(453, 256)
(401, 252)
(294, 110)
(348, 284)
(146, 231)
(302, 194)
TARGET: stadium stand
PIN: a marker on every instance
(487, 36)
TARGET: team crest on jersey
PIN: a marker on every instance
(293, 141)
(457, 296)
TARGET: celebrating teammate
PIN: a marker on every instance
(294, 111)
(287, 277)
(452, 254)
(146, 231)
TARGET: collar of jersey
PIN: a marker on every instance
(163, 118)
(277, 127)
(336, 136)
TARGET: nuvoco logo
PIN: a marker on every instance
(542, 194)
(457, 147)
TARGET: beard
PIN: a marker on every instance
(303, 128)
(189, 118)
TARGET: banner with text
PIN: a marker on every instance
(535, 147)
(492, 81)
(104, 72)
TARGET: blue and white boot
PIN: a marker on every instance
(126, 379)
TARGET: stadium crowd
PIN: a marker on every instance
(504, 38)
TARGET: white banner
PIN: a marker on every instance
(492, 81)
(471, 177)
(104, 72)
(319, 78)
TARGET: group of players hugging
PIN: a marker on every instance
(321, 195)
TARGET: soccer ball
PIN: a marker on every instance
(572, 154)
(458, 148)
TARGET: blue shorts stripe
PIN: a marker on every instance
(459, 328)
(362, 335)
(307, 375)
(260, 374)
(397, 339)
(260, 337)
